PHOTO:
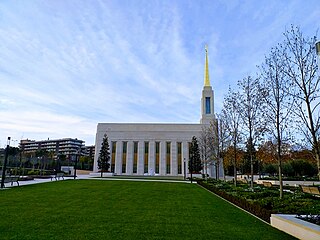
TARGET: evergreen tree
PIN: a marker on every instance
(104, 155)
(195, 161)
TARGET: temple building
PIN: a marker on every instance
(156, 148)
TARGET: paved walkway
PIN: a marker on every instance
(35, 181)
(87, 176)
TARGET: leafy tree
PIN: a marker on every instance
(270, 168)
(42, 155)
(104, 155)
(287, 170)
(61, 159)
(303, 154)
(13, 156)
(303, 168)
(85, 160)
(13, 151)
(228, 160)
(195, 165)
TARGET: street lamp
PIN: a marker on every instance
(318, 52)
(5, 164)
(75, 165)
(318, 48)
(184, 168)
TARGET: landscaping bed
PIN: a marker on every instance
(264, 201)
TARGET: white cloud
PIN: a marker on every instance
(67, 65)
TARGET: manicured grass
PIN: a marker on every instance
(97, 209)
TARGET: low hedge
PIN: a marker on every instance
(252, 207)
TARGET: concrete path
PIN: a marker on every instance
(87, 176)
(35, 181)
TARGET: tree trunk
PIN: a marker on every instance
(251, 163)
(235, 166)
(251, 158)
(279, 162)
(217, 169)
(206, 170)
(313, 134)
(280, 177)
(318, 163)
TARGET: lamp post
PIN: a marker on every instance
(58, 163)
(5, 164)
(318, 51)
(318, 48)
(184, 168)
(191, 166)
(75, 164)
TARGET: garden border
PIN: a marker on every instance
(234, 205)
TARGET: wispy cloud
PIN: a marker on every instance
(67, 65)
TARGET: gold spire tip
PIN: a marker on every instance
(206, 69)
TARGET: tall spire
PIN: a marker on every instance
(207, 100)
(206, 70)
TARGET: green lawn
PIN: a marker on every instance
(95, 209)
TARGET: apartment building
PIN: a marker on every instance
(65, 146)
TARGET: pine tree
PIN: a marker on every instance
(104, 155)
(195, 161)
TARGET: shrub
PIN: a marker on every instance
(262, 201)
(252, 207)
(33, 172)
(270, 168)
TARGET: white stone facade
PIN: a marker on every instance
(151, 135)
(155, 148)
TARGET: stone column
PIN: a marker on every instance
(162, 159)
(152, 158)
(129, 167)
(140, 169)
(174, 163)
(118, 160)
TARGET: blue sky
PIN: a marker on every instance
(67, 65)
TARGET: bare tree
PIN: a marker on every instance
(204, 148)
(230, 113)
(279, 101)
(301, 68)
(223, 140)
(208, 146)
(251, 104)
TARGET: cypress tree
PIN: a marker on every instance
(104, 155)
(195, 161)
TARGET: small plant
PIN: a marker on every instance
(33, 172)
(262, 201)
